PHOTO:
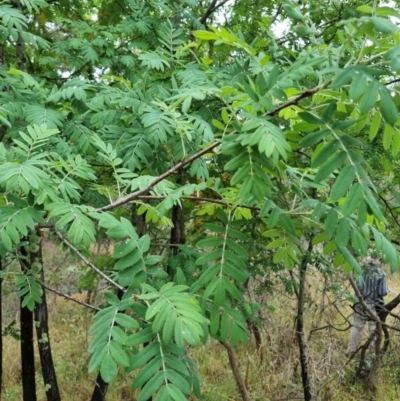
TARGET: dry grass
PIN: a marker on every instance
(272, 376)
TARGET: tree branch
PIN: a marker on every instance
(66, 296)
(162, 177)
(197, 199)
(211, 8)
(88, 262)
(303, 95)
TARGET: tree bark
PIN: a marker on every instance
(236, 372)
(100, 389)
(300, 326)
(43, 337)
(27, 355)
(27, 347)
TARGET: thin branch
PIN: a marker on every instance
(294, 101)
(88, 262)
(278, 11)
(160, 178)
(198, 199)
(393, 82)
(211, 8)
(388, 207)
(66, 296)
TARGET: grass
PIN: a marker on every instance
(271, 376)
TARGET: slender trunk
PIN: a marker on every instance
(43, 337)
(27, 355)
(236, 372)
(100, 389)
(27, 347)
(178, 232)
(383, 314)
(300, 326)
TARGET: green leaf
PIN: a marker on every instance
(387, 136)
(388, 107)
(313, 138)
(125, 248)
(287, 224)
(342, 78)
(384, 25)
(322, 154)
(126, 321)
(310, 118)
(352, 200)
(365, 9)
(375, 124)
(108, 368)
(330, 166)
(329, 111)
(331, 223)
(147, 372)
(119, 354)
(140, 337)
(343, 182)
(151, 386)
(205, 35)
(349, 258)
(369, 98)
(342, 233)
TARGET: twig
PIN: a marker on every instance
(198, 199)
(66, 296)
(88, 262)
(303, 95)
(278, 11)
(211, 8)
(160, 178)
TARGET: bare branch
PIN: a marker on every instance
(211, 8)
(198, 199)
(88, 262)
(162, 177)
(66, 296)
(292, 102)
(278, 11)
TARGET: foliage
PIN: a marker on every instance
(255, 130)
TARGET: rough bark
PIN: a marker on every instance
(100, 389)
(43, 336)
(236, 372)
(300, 326)
(27, 347)
(27, 355)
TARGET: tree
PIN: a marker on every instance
(265, 141)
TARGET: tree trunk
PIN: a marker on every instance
(43, 337)
(27, 355)
(300, 326)
(236, 372)
(100, 389)
(27, 348)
